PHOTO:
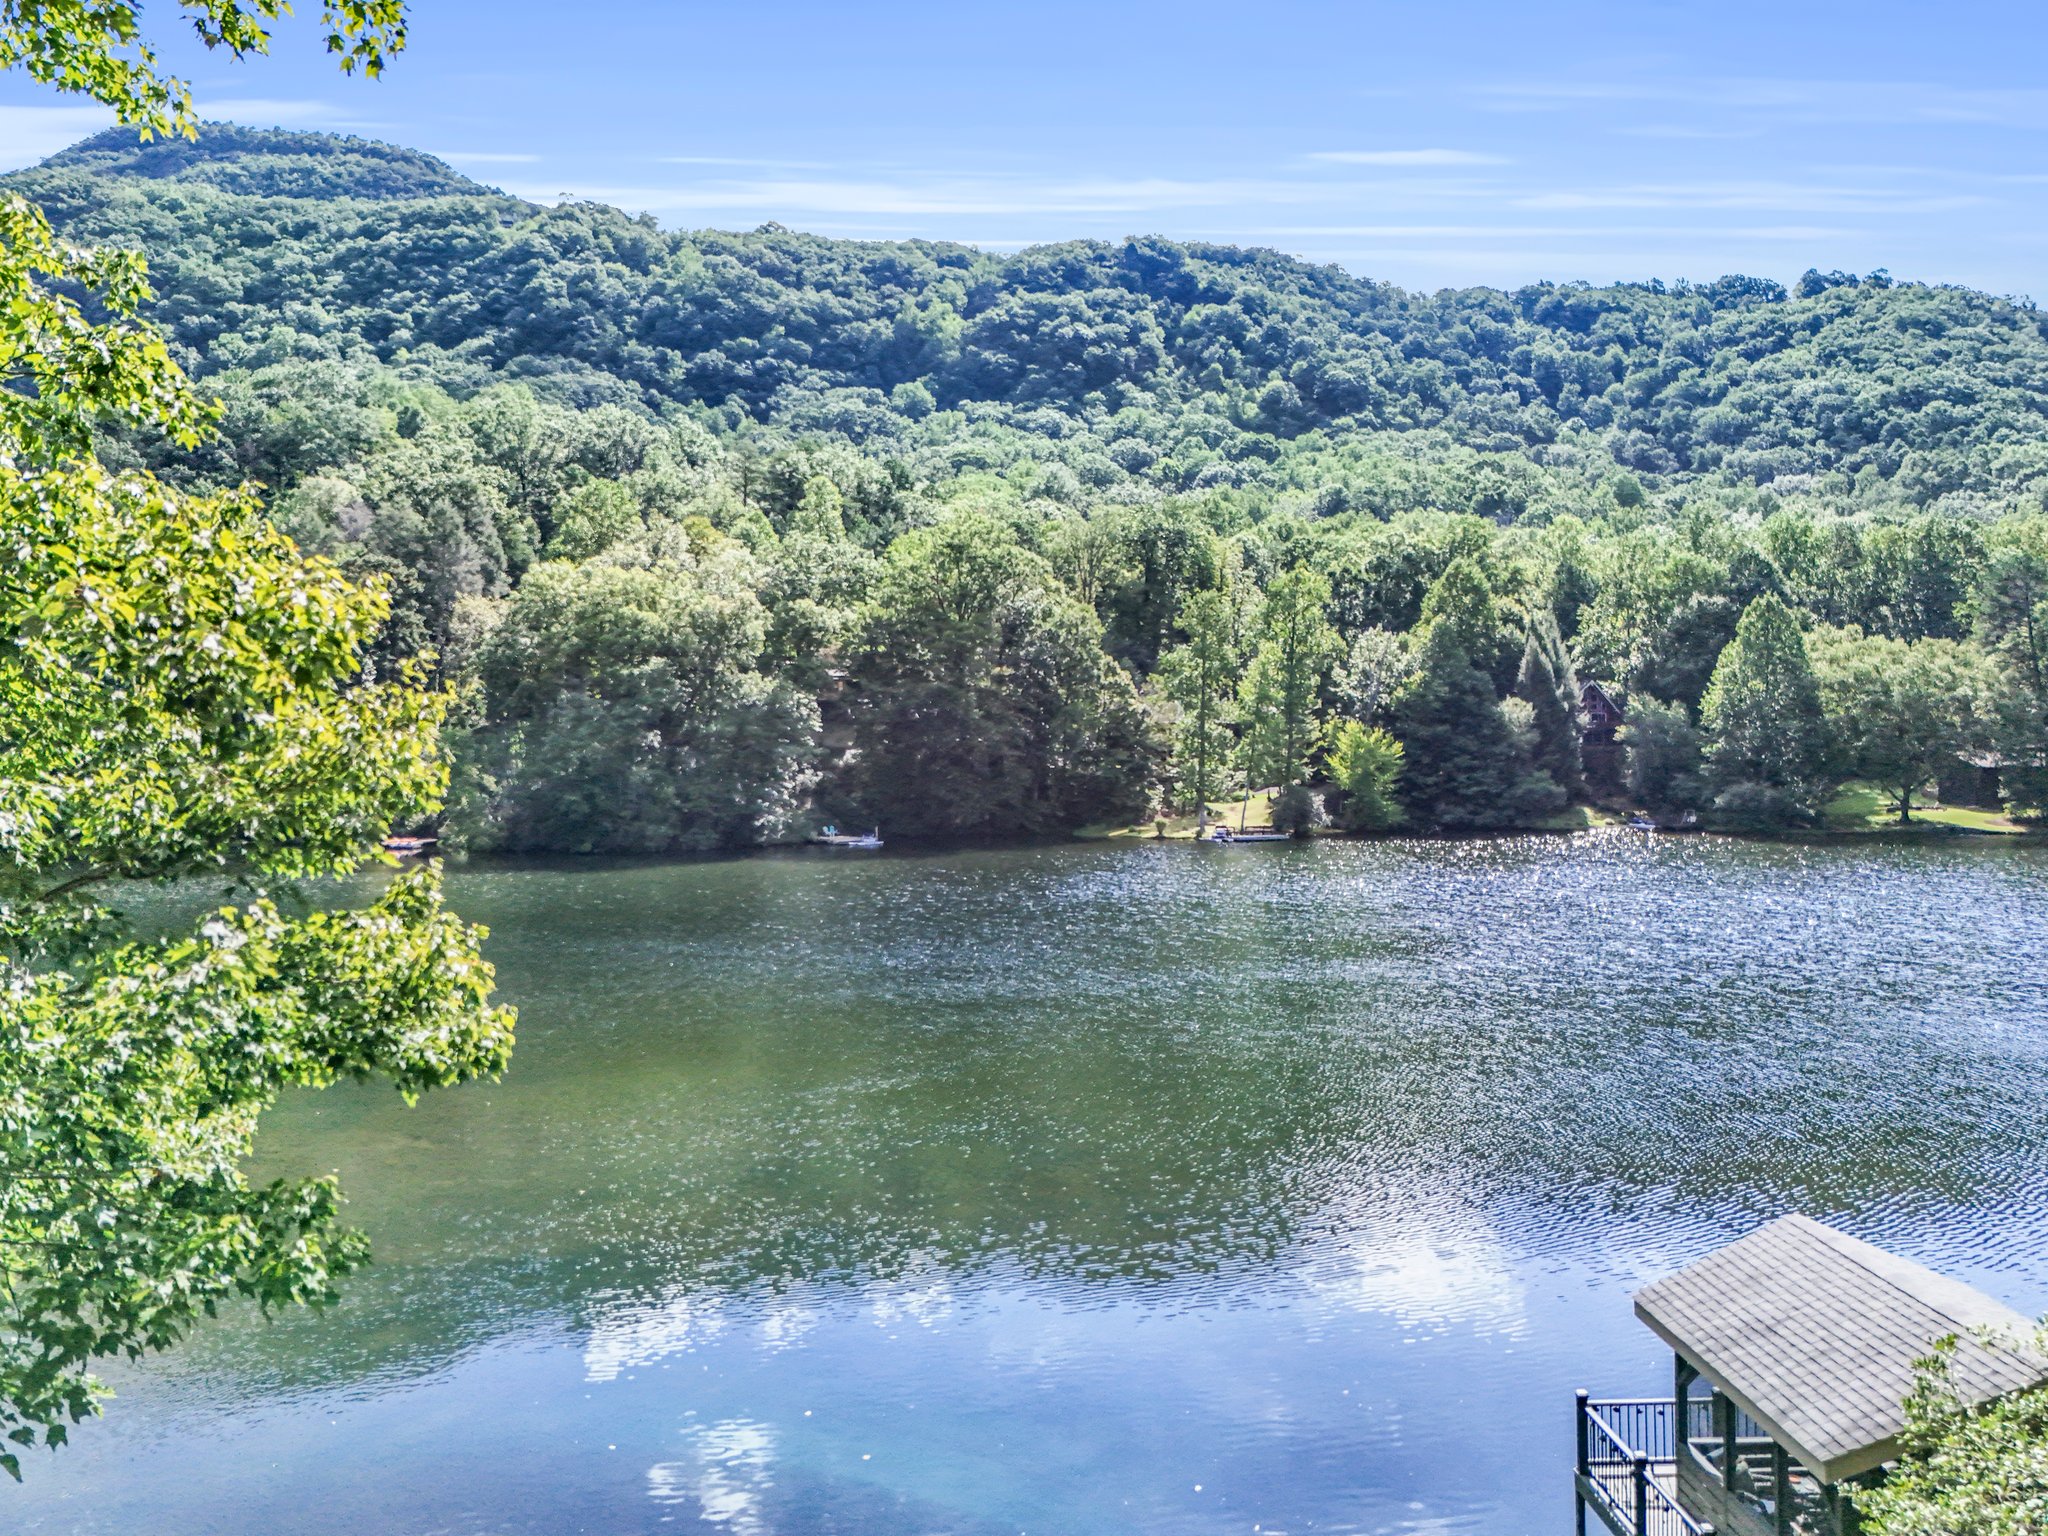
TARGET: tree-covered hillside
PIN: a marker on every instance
(715, 534)
(1176, 365)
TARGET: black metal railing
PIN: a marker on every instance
(1700, 1428)
(1627, 1463)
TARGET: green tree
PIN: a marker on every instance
(822, 512)
(629, 709)
(181, 697)
(592, 518)
(2011, 622)
(1464, 765)
(1369, 677)
(1463, 600)
(1662, 757)
(1278, 696)
(1164, 557)
(984, 702)
(1365, 762)
(1898, 710)
(1767, 746)
(1299, 811)
(1967, 1468)
(1927, 571)
(1199, 678)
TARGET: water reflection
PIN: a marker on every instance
(1094, 1191)
(726, 1479)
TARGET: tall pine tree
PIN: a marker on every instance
(1550, 687)
(1278, 696)
(1464, 767)
(1199, 677)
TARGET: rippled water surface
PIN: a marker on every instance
(1096, 1190)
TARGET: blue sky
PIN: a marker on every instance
(1431, 145)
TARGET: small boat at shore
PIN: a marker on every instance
(1689, 822)
(1226, 837)
(409, 847)
(832, 837)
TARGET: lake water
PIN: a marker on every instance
(1094, 1190)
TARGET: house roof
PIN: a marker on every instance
(1815, 1334)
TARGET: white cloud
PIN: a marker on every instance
(1763, 195)
(1689, 233)
(1428, 1264)
(1682, 131)
(742, 161)
(629, 1332)
(1401, 157)
(976, 196)
(29, 134)
(1807, 101)
(482, 157)
(273, 110)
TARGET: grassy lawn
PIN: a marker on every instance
(1256, 814)
(1255, 810)
(1578, 818)
(1859, 808)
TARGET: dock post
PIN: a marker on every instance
(1639, 1477)
(1585, 1464)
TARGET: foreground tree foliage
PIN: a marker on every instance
(181, 697)
(1964, 1471)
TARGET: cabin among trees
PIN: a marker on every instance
(1600, 722)
(1794, 1351)
(1972, 778)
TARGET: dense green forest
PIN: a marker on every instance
(718, 535)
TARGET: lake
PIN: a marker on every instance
(1086, 1190)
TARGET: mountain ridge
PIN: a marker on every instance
(1178, 365)
(270, 162)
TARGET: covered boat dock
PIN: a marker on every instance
(1794, 1351)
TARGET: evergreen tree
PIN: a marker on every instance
(1198, 677)
(1464, 766)
(1550, 687)
(1767, 744)
(1278, 696)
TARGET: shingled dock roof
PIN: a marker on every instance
(1815, 1334)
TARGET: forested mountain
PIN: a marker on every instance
(1176, 364)
(648, 497)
